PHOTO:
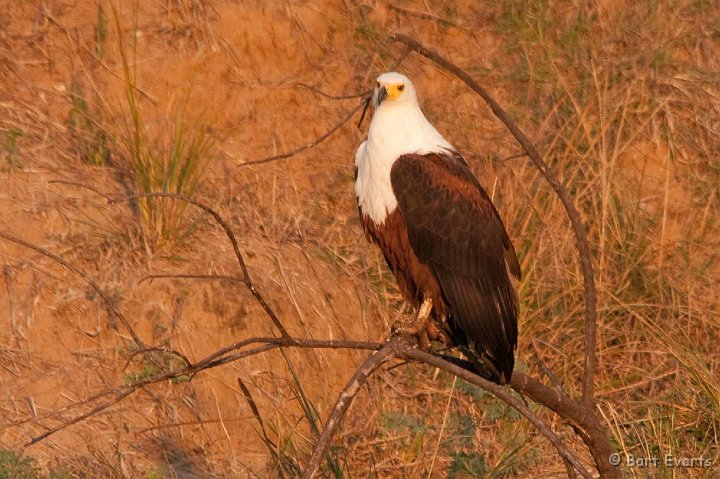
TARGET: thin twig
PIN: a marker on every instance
(318, 91)
(288, 341)
(97, 409)
(551, 177)
(332, 130)
(109, 303)
(424, 16)
(306, 146)
(214, 277)
(68, 407)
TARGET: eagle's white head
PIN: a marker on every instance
(398, 127)
(394, 89)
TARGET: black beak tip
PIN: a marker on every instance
(381, 95)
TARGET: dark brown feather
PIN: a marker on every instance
(455, 231)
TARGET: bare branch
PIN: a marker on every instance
(214, 277)
(97, 409)
(503, 394)
(216, 359)
(554, 399)
(231, 236)
(584, 421)
(551, 177)
(348, 393)
(318, 91)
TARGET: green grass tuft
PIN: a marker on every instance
(15, 466)
(9, 143)
(175, 162)
(92, 140)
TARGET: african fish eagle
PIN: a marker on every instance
(439, 231)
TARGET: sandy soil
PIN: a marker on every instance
(243, 69)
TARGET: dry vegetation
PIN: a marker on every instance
(623, 98)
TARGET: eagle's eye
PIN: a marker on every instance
(401, 87)
(378, 84)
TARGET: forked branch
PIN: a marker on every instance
(334, 128)
(403, 347)
(236, 249)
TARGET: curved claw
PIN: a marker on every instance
(419, 325)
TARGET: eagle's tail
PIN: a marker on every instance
(483, 322)
(484, 366)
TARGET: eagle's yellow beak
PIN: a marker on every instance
(389, 91)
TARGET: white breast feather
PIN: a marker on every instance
(395, 130)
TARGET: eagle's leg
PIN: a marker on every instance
(423, 315)
(419, 326)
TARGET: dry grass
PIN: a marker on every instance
(623, 99)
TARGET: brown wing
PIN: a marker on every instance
(455, 229)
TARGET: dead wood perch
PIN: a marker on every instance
(583, 420)
(403, 347)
